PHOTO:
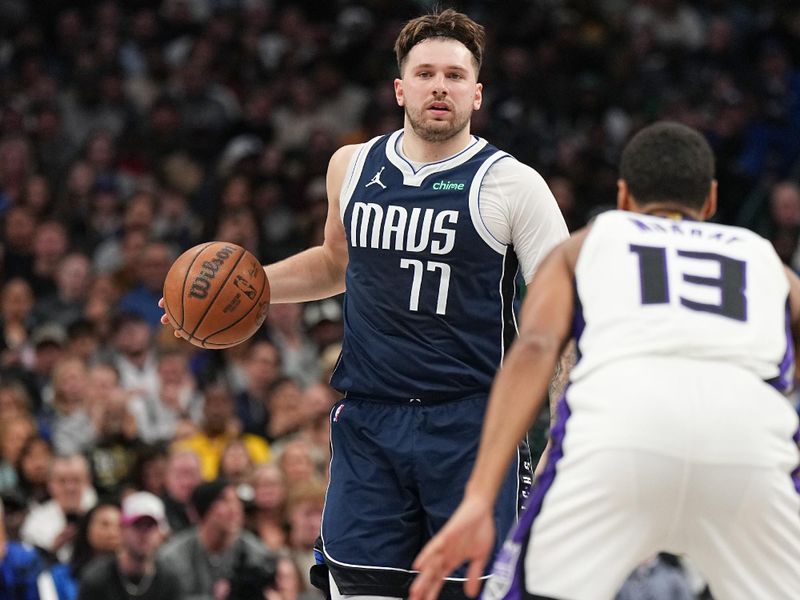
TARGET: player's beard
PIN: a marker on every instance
(432, 130)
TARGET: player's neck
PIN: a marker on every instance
(416, 149)
(671, 211)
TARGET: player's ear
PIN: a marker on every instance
(478, 100)
(398, 92)
(624, 200)
(710, 205)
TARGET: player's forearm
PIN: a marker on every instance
(517, 396)
(310, 275)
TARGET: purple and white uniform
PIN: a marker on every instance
(674, 434)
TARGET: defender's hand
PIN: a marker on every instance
(469, 535)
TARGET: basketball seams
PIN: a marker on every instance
(239, 320)
(183, 287)
(217, 293)
(219, 345)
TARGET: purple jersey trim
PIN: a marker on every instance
(796, 472)
(578, 320)
(783, 381)
(507, 582)
(509, 562)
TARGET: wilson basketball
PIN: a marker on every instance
(216, 295)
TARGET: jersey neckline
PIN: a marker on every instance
(415, 176)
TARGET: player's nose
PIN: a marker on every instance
(439, 83)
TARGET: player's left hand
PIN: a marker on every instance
(468, 536)
(165, 318)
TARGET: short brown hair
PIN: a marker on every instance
(445, 24)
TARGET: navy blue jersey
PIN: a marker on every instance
(429, 309)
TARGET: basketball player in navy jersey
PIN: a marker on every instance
(674, 434)
(427, 230)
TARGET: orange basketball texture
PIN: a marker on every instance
(216, 295)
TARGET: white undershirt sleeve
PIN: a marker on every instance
(518, 208)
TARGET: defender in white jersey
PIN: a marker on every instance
(674, 434)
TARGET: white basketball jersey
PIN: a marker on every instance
(654, 287)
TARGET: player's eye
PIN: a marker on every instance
(423, 74)
(455, 76)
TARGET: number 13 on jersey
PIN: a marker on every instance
(655, 272)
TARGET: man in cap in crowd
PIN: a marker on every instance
(134, 572)
(209, 557)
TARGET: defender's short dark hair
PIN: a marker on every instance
(668, 162)
(445, 24)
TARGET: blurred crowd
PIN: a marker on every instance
(131, 131)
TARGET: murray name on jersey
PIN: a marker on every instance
(686, 228)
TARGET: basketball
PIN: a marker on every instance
(216, 295)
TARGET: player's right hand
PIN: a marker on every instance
(165, 318)
(469, 536)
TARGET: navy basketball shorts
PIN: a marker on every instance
(398, 471)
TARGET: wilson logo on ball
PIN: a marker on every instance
(202, 282)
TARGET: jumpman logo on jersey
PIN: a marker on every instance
(377, 179)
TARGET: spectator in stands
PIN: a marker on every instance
(299, 355)
(136, 361)
(150, 470)
(318, 399)
(99, 534)
(304, 514)
(290, 583)
(784, 208)
(19, 567)
(14, 431)
(16, 304)
(33, 469)
(152, 266)
(16, 165)
(19, 225)
(284, 405)
(266, 517)
(138, 216)
(323, 321)
(262, 368)
(15, 510)
(103, 295)
(14, 399)
(235, 464)
(182, 475)
(179, 400)
(296, 461)
(134, 572)
(52, 526)
(219, 427)
(48, 343)
(50, 245)
(83, 340)
(72, 428)
(65, 305)
(207, 557)
(116, 446)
